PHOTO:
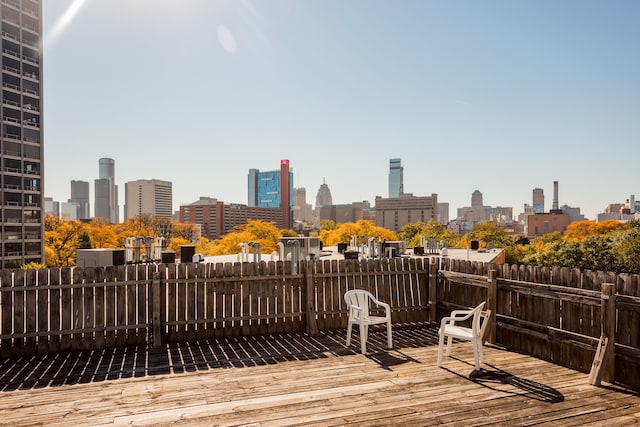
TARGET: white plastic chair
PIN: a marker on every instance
(359, 302)
(450, 330)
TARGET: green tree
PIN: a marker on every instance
(626, 247)
(487, 232)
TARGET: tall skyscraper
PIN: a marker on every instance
(302, 211)
(272, 189)
(80, 195)
(396, 185)
(477, 206)
(106, 192)
(538, 200)
(22, 153)
(148, 197)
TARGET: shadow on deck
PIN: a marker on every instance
(90, 366)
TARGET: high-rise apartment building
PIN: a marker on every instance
(206, 213)
(396, 185)
(538, 200)
(151, 197)
(80, 195)
(106, 192)
(272, 189)
(22, 153)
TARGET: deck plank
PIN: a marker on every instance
(296, 379)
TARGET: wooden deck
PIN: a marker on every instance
(295, 379)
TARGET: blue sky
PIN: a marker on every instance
(496, 96)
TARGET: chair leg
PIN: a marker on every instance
(363, 338)
(449, 341)
(440, 348)
(476, 355)
(349, 328)
(389, 339)
(481, 351)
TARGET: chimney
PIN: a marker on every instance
(554, 207)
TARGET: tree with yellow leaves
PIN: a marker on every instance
(344, 231)
(265, 233)
(102, 234)
(61, 241)
(580, 230)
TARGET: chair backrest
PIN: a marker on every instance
(477, 315)
(359, 298)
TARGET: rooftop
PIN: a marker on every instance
(297, 379)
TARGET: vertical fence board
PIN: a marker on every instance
(43, 310)
(78, 309)
(172, 302)
(144, 301)
(282, 287)
(110, 306)
(200, 300)
(132, 306)
(54, 312)
(190, 318)
(181, 305)
(321, 269)
(88, 309)
(30, 312)
(210, 300)
(121, 306)
(220, 288)
(7, 315)
(66, 279)
(99, 308)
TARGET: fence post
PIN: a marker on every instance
(157, 329)
(433, 281)
(603, 367)
(492, 304)
(312, 324)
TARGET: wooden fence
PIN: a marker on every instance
(557, 314)
(53, 310)
(585, 320)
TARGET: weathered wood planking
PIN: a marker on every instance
(257, 386)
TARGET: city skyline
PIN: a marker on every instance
(494, 96)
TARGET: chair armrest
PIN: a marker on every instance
(456, 316)
(461, 314)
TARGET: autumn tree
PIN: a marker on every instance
(344, 231)
(61, 241)
(579, 230)
(265, 233)
(102, 234)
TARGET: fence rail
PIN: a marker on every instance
(558, 314)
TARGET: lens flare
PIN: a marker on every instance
(63, 22)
